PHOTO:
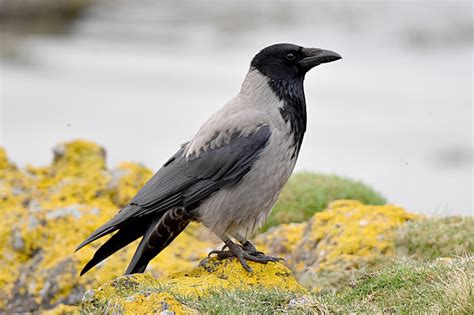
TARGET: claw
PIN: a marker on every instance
(262, 259)
(212, 252)
(244, 263)
(244, 252)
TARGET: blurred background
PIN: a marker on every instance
(140, 77)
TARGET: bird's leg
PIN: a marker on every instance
(248, 246)
(251, 253)
(234, 251)
(244, 252)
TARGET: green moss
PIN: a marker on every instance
(308, 193)
(436, 237)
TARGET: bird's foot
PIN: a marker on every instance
(254, 255)
(242, 253)
(250, 249)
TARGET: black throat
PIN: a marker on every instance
(291, 92)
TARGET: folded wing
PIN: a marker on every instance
(183, 182)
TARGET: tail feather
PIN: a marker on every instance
(117, 222)
(119, 240)
(159, 235)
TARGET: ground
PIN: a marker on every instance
(443, 286)
(341, 255)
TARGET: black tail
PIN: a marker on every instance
(119, 240)
(159, 235)
(122, 219)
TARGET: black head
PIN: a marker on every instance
(288, 61)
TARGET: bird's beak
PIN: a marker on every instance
(315, 56)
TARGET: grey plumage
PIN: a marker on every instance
(230, 174)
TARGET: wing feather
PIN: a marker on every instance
(185, 181)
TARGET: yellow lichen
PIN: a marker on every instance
(135, 294)
(142, 294)
(47, 211)
(4, 163)
(130, 178)
(338, 239)
(281, 240)
(350, 230)
(229, 274)
(63, 309)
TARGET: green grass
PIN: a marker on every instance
(424, 240)
(433, 272)
(409, 287)
(436, 237)
(258, 301)
(403, 287)
(421, 280)
(308, 193)
(406, 287)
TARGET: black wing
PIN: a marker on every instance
(185, 182)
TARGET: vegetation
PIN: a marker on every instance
(307, 193)
(418, 281)
(405, 287)
(355, 256)
(436, 237)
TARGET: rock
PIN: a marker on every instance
(142, 294)
(47, 211)
(4, 163)
(336, 241)
(126, 180)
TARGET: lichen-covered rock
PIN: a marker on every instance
(4, 163)
(336, 241)
(142, 294)
(47, 211)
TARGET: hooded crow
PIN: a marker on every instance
(229, 176)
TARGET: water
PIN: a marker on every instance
(140, 77)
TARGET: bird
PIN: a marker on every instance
(230, 174)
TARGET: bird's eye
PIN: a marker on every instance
(290, 56)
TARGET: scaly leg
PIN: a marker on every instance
(234, 251)
(256, 255)
(248, 246)
(246, 251)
